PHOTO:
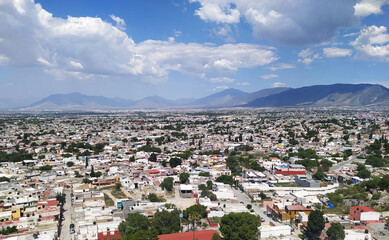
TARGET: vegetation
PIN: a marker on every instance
(167, 184)
(315, 225)
(239, 226)
(184, 177)
(336, 231)
(225, 179)
(155, 198)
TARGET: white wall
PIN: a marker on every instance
(370, 216)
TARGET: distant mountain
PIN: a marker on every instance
(78, 101)
(228, 97)
(326, 95)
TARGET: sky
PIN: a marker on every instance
(187, 48)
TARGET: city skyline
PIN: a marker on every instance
(181, 49)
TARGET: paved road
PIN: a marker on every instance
(68, 214)
(336, 168)
(259, 210)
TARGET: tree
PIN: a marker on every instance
(141, 235)
(86, 181)
(167, 184)
(216, 236)
(197, 208)
(239, 226)
(174, 162)
(70, 164)
(336, 231)
(165, 222)
(118, 186)
(315, 225)
(225, 179)
(195, 213)
(134, 222)
(153, 157)
(209, 184)
(184, 177)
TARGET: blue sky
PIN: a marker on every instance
(188, 48)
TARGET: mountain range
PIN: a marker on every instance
(317, 95)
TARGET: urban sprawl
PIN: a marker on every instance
(195, 174)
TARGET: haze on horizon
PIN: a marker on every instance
(187, 49)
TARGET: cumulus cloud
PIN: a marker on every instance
(221, 79)
(89, 46)
(283, 21)
(280, 66)
(217, 11)
(278, 84)
(367, 7)
(119, 22)
(372, 43)
(307, 56)
(332, 52)
(269, 76)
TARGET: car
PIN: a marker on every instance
(262, 219)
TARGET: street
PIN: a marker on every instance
(259, 210)
(338, 167)
(68, 214)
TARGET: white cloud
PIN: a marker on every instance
(367, 7)
(280, 66)
(217, 11)
(278, 84)
(307, 56)
(76, 65)
(221, 79)
(283, 21)
(120, 24)
(332, 52)
(243, 84)
(217, 88)
(372, 43)
(31, 36)
(43, 61)
(269, 76)
(224, 32)
(3, 60)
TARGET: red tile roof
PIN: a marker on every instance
(200, 235)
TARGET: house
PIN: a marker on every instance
(305, 181)
(361, 213)
(293, 211)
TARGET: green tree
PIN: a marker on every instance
(134, 222)
(315, 225)
(167, 184)
(118, 186)
(165, 222)
(239, 226)
(184, 177)
(174, 162)
(141, 235)
(197, 208)
(216, 236)
(225, 179)
(70, 164)
(336, 231)
(153, 157)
